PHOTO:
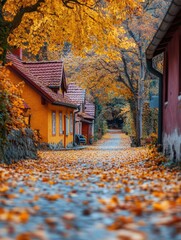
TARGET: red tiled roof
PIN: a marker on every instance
(85, 115)
(90, 108)
(51, 73)
(76, 94)
(38, 83)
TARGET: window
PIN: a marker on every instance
(67, 125)
(53, 123)
(166, 76)
(71, 123)
(60, 123)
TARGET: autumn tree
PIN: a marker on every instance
(121, 70)
(29, 24)
(138, 31)
(11, 108)
(85, 24)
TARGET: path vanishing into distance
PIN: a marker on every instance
(106, 191)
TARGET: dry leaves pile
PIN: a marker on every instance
(110, 193)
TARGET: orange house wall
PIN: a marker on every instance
(41, 115)
(58, 137)
(39, 112)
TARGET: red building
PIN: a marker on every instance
(167, 40)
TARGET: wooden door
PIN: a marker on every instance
(85, 131)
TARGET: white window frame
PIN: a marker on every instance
(53, 123)
(67, 125)
(60, 123)
(71, 122)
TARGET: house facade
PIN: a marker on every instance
(167, 40)
(84, 118)
(77, 95)
(90, 112)
(49, 112)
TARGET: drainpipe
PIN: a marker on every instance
(78, 110)
(160, 111)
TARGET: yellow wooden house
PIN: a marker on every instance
(49, 112)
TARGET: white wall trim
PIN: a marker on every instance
(179, 98)
(165, 104)
(172, 145)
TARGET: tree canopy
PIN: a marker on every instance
(121, 69)
(31, 23)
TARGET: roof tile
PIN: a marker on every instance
(50, 73)
(90, 108)
(76, 94)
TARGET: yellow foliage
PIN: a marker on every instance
(11, 101)
(97, 74)
(83, 24)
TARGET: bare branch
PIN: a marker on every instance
(148, 3)
(121, 79)
(132, 34)
(68, 2)
(90, 16)
(126, 73)
(106, 68)
(95, 85)
(130, 51)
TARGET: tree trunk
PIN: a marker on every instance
(141, 95)
(135, 117)
(4, 33)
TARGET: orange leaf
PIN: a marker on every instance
(53, 197)
(162, 206)
(24, 217)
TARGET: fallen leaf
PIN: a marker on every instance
(124, 234)
(69, 216)
(24, 236)
(53, 197)
(162, 206)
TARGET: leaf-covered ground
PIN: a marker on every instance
(104, 192)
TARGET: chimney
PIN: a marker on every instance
(18, 52)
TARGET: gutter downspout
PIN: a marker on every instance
(78, 110)
(160, 112)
